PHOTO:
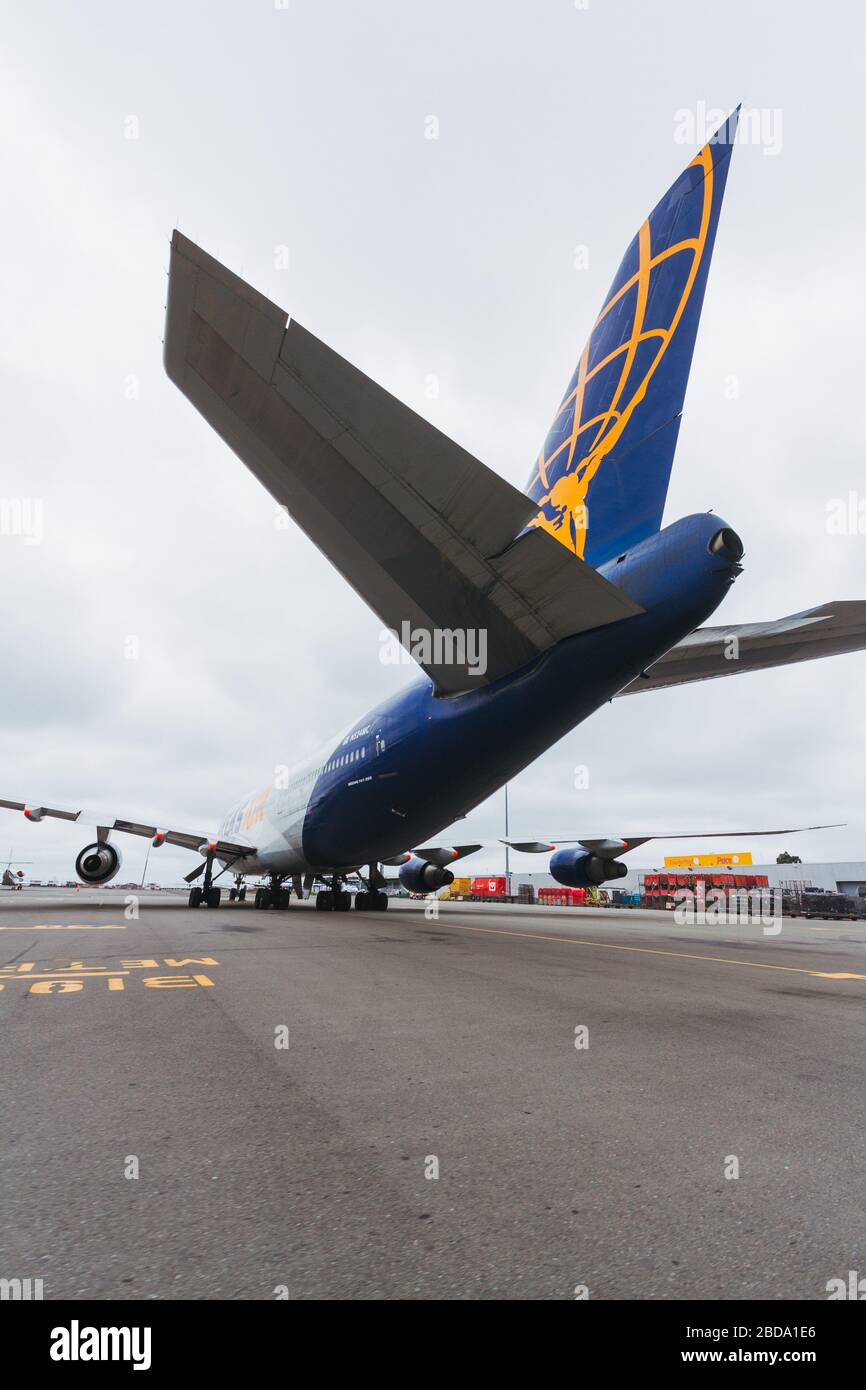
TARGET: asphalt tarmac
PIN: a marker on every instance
(238, 1104)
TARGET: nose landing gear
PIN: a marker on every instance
(206, 895)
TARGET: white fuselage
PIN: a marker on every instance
(272, 820)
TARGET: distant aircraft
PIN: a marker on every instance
(10, 878)
(526, 611)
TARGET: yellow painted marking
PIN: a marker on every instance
(203, 960)
(650, 951)
(72, 926)
(177, 981)
(77, 967)
(56, 987)
(835, 975)
(69, 979)
(64, 975)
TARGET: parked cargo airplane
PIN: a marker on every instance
(577, 592)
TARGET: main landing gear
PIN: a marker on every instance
(371, 902)
(372, 898)
(333, 900)
(274, 895)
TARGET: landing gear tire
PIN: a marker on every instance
(362, 902)
(282, 899)
(342, 901)
(325, 900)
(262, 898)
(195, 896)
(242, 894)
(213, 896)
(233, 892)
(381, 902)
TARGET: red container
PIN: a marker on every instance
(488, 887)
(562, 897)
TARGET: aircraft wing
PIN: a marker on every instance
(709, 652)
(607, 846)
(614, 846)
(441, 855)
(419, 528)
(187, 839)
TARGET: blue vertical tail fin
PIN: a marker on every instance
(602, 475)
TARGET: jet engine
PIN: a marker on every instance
(98, 863)
(580, 868)
(421, 877)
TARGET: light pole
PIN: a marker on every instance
(507, 849)
(144, 870)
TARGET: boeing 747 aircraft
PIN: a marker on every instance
(572, 589)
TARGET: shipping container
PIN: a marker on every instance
(562, 897)
(489, 887)
(665, 890)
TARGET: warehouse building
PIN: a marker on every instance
(841, 877)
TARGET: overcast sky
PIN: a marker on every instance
(165, 645)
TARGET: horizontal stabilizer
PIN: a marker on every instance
(830, 630)
(419, 528)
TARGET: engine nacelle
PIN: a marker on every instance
(98, 863)
(580, 868)
(420, 877)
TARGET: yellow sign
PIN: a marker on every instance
(706, 861)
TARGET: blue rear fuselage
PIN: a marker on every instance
(432, 759)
